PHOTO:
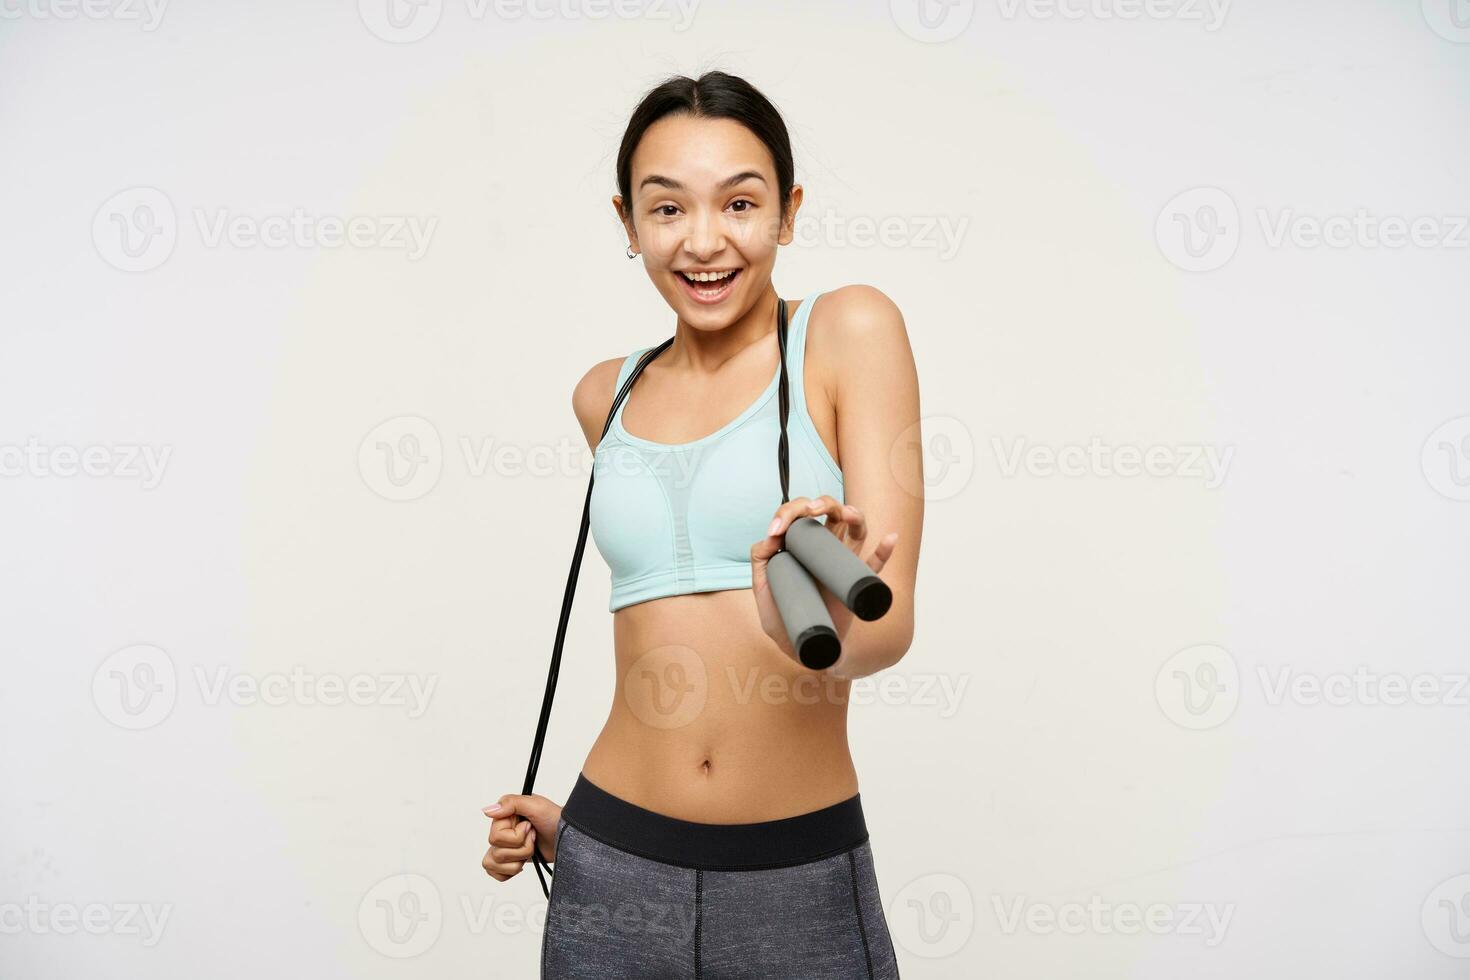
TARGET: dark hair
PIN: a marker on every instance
(713, 95)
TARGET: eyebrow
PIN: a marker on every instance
(673, 185)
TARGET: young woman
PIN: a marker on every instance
(715, 830)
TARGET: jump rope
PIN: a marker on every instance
(809, 554)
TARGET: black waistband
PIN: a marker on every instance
(715, 846)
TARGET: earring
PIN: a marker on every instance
(632, 254)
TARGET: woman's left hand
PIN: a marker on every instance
(851, 527)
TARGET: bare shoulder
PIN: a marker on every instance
(858, 328)
(858, 305)
(593, 397)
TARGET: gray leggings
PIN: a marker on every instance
(636, 894)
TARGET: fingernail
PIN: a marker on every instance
(775, 526)
(492, 808)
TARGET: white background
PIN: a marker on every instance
(1113, 738)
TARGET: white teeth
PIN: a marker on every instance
(708, 276)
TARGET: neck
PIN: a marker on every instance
(704, 351)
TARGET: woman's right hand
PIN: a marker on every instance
(517, 823)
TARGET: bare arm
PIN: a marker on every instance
(876, 391)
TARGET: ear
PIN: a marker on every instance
(625, 221)
(788, 220)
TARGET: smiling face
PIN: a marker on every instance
(706, 214)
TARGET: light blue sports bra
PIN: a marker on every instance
(675, 518)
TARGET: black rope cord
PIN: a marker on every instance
(782, 449)
(542, 867)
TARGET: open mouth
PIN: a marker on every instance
(709, 287)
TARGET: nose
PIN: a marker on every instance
(706, 236)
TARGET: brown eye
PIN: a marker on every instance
(748, 205)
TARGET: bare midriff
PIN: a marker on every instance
(711, 722)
